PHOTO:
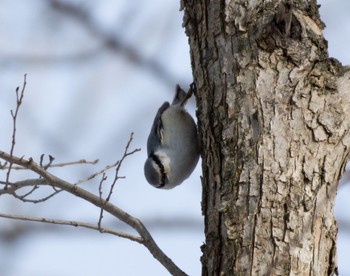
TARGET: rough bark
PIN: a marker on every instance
(272, 113)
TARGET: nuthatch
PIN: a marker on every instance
(172, 144)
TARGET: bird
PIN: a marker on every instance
(172, 144)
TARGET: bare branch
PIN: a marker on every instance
(96, 173)
(116, 176)
(48, 164)
(24, 199)
(133, 222)
(75, 224)
(126, 154)
(19, 98)
(12, 187)
(34, 183)
(104, 177)
(78, 162)
(3, 166)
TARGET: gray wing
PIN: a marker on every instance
(155, 137)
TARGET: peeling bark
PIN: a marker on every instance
(275, 137)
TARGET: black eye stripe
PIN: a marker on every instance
(161, 168)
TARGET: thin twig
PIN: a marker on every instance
(34, 183)
(2, 166)
(116, 176)
(119, 164)
(75, 224)
(48, 164)
(40, 200)
(12, 187)
(78, 162)
(19, 98)
(104, 177)
(96, 173)
(22, 198)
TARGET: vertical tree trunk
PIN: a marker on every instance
(272, 112)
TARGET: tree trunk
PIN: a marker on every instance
(275, 137)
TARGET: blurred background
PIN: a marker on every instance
(97, 71)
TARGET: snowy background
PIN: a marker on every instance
(97, 71)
